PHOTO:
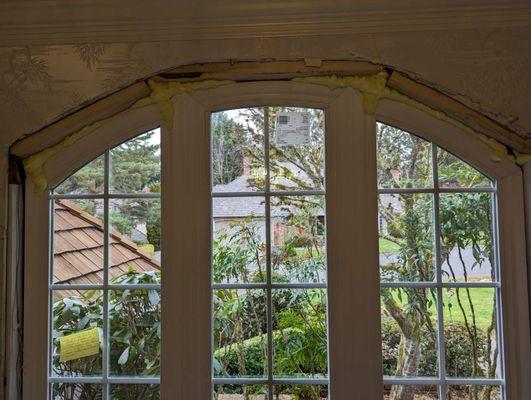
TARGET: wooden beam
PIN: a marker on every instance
(266, 70)
(458, 111)
(99, 110)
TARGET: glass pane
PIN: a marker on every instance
(78, 242)
(297, 148)
(455, 173)
(238, 245)
(409, 332)
(240, 392)
(87, 180)
(135, 240)
(466, 237)
(403, 159)
(406, 239)
(135, 165)
(296, 392)
(470, 332)
(300, 333)
(134, 326)
(392, 392)
(76, 391)
(298, 248)
(238, 150)
(473, 392)
(240, 336)
(134, 392)
(76, 311)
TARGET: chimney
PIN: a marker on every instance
(395, 174)
(246, 166)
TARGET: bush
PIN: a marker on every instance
(458, 349)
(134, 333)
(289, 362)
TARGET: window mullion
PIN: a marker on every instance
(106, 263)
(269, 293)
(352, 249)
(438, 275)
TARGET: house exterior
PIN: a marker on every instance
(78, 249)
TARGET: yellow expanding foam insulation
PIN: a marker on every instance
(374, 87)
(521, 158)
(161, 94)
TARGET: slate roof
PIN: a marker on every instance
(78, 248)
(241, 207)
(237, 207)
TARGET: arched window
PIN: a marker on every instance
(309, 252)
(105, 275)
(438, 271)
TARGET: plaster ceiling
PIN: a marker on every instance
(56, 56)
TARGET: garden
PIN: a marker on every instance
(409, 316)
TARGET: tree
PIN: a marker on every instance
(299, 323)
(404, 161)
(134, 168)
(229, 140)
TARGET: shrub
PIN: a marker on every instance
(458, 349)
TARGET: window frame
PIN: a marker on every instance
(269, 381)
(510, 235)
(188, 140)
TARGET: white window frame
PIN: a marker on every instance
(510, 236)
(352, 235)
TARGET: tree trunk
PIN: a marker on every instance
(408, 364)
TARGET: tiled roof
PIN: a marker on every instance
(78, 248)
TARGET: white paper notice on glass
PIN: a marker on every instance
(292, 128)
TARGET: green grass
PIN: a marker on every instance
(386, 246)
(481, 299)
(482, 302)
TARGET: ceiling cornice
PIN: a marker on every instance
(27, 23)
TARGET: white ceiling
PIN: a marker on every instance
(57, 55)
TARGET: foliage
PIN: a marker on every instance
(134, 335)
(404, 161)
(409, 337)
(458, 350)
(134, 168)
(229, 140)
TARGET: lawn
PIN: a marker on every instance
(481, 298)
(386, 246)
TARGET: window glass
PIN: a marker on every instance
(438, 272)
(106, 275)
(455, 173)
(404, 160)
(135, 165)
(89, 179)
(269, 234)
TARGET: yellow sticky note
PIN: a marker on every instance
(78, 345)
